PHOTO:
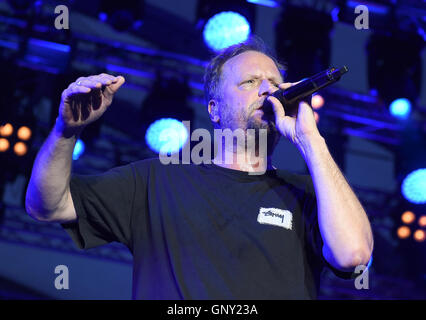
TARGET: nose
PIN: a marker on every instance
(266, 88)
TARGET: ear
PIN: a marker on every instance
(213, 109)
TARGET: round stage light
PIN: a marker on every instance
(166, 135)
(422, 221)
(4, 144)
(419, 235)
(20, 148)
(403, 232)
(408, 217)
(413, 187)
(6, 130)
(225, 29)
(317, 101)
(400, 108)
(24, 133)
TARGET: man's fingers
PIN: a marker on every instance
(73, 90)
(92, 83)
(110, 84)
(277, 107)
(108, 77)
(112, 88)
(285, 85)
(103, 79)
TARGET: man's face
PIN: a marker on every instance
(246, 81)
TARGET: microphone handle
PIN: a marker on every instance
(291, 97)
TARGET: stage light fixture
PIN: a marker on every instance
(4, 144)
(317, 101)
(225, 23)
(413, 187)
(403, 232)
(24, 133)
(166, 135)
(408, 217)
(162, 112)
(20, 148)
(6, 130)
(419, 235)
(400, 108)
(225, 29)
(422, 221)
(15, 153)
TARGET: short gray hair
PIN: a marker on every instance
(213, 72)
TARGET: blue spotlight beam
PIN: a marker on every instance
(413, 187)
(166, 135)
(78, 149)
(400, 108)
(225, 29)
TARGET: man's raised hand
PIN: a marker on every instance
(85, 100)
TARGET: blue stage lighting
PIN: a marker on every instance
(266, 3)
(400, 108)
(225, 29)
(335, 14)
(78, 149)
(166, 135)
(103, 16)
(413, 187)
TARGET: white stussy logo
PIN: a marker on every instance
(276, 217)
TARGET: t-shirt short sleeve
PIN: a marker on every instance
(313, 234)
(103, 204)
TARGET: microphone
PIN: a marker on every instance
(291, 97)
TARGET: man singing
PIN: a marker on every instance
(215, 230)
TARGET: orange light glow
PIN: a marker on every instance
(419, 235)
(422, 221)
(6, 130)
(4, 144)
(317, 117)
(403, 232)
(24, 133)
(20, 148)
(408, 217)
(317, 101)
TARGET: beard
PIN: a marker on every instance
(250, 119)
(265, 121)
(257, 122)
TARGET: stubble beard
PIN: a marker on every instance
(266, 121)
(249, 120)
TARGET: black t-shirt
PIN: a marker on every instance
(203, 231)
